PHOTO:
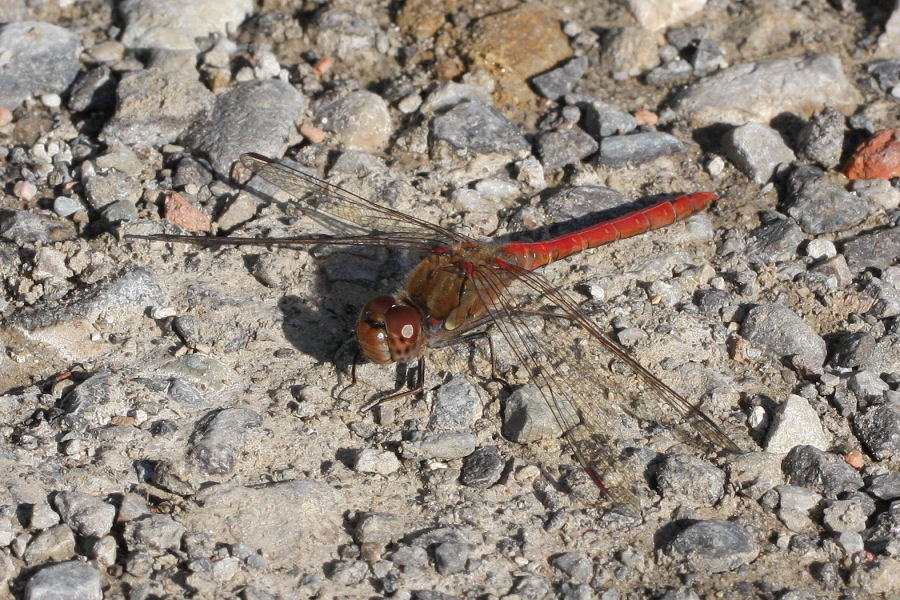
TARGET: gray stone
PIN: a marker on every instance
(155, 533)
(171, 24)
(779, 330)
(252, 115)
(94, 90)
(842, 516)
(370, 460)
(86, 514)
(558, 82)
(637, 148)
(527, 417)
(562, 147)
(450, 557)
(776, 239)
(878, 428)
(819, 204)
(482, 468)
(153, 107)
(713, 546)
(762, 90)
(823, 472)
(38, 58)
(361, 118)
(442, 445)
(885, 486)
(690, 480)
(873, 250)
(601, 119)
(456, 405)
(55, 543)
(757, 150)
(25, 227)
(795, 422)
(220, 438)
(576, 565)
(821, 141)
(473, 127)
(73, 580)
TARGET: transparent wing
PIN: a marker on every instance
(382, 225)
(572, 386)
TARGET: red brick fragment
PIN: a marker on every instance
(876, 158)
(183, 213)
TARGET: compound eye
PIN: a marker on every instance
(403, 322)
(371, 332)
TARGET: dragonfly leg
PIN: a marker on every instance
(373, 402)
(352, 376)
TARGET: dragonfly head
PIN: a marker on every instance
(390, 331)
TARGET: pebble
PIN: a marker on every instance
(713, 546)
(73, 580)
(171, 25)
(629, 52)
(873, 249)
(442, 445)
(876, 158)
(775, 240)
(255, 116)
(219, 438)
(527, 417)
(757, 150)
(601, 119)
(819, 205)
(456, 405)
(821, 141)
(782, 332)
(182, 213)
(562, 147)
(361, 118)
(878, 428)
(24, 190)
(347, 572)
(795, 84)
(473, 127)
(87, 515)
(369, 460)
(795, 423)
(878, 193)
(94, 89)
(66, 206)
(823, 472)
(868, 387)
(844, 516)
(689, 480)
(885, 486)
(38, 58)
(343, 33)
(450, 557)
(616, 151)
(41, 516)
(156, 533)
(483, 468)
(820, 249)
(450, 93)
(558, 82)
(55, 543)
(154, 107)
(6, 116)
(575, 565)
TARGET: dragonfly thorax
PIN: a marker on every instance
(390, 330)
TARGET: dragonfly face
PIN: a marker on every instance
(390, 331)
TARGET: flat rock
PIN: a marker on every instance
(762, 90)
(253, 116)
(781, 331)
(637, 148)
(38, 58)
(473, 127)
(173, 25)
(819, 205)
(72, 580)
(756, 149)
(795, 423)
(713, 546)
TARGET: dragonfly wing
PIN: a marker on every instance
(385, 223)
(594, 448)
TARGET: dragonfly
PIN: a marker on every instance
(463, 286)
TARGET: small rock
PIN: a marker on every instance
(219, 438)
(886, 486)
(853, 350)
(558, 82)
(527, 417)
(42, 516)
(820, 249)
(713, 546)
(795, 423)
(690, 480)
(779, 330)
(819, 204)
(876, 158)
(873, 249)
(775, 240)
(450, 557)
(72, 580)
(87, 515)
(157, 533)
(842, 516)
(638, 148)
(55, 543)
(879, 429)
(823, 472)
(347, 572)
(757, 150)
(576, 565)
(822, 139)
(562, 147)
(629, 52)
(474, 127)
(601, 119)
(361, 118)
(442, 445)
(38, 58)
(482, 468)
(456, 405)
(184, 214)
(369, 460)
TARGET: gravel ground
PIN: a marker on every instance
(174, 423)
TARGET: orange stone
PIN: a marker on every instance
(184, 214)
(855, 459)
(876, 158)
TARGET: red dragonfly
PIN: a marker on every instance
(463, 285)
